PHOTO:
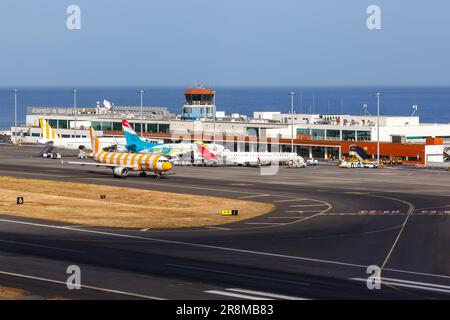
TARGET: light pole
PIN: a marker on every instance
(14, 134)
(292, 94)
(142, 111)
(378, 95)
(75, 91)
(214, 119)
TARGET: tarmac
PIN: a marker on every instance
(329, 225)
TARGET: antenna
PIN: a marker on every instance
(415, 108)
(365, 110)
(107, 105)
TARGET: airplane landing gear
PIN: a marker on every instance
(143, 174)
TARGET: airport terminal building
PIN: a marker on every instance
(320, 136)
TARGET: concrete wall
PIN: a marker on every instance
(434, 153)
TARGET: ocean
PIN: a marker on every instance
(433, 102)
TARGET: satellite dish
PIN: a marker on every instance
(107, 105)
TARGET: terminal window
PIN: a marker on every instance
(348, 135)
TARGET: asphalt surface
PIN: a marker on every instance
(329, 225)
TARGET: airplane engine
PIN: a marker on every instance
(120, 172)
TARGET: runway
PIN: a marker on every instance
(328, 226)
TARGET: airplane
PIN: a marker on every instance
(199, 152)
(122, 163)
(261, 158)
(53, 140)
(177, 152)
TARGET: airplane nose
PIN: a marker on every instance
(166, 166)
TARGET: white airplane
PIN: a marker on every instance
(54, 140)
(261, 158)
(176, 152)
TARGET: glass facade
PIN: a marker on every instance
(53, 123)
(63, 124)
(164, 128)
(363, 135)
(303, 131)
(117, 126)
(348, 135)
(114, 126)
(318, 134)
(106, 126)
(333, 135)
(96, 125)
(152, 127)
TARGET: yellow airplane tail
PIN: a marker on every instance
(47, 131)
(95, 143)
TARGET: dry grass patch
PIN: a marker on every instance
(12, 294)
(80, 204)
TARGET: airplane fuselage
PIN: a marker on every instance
(134, 161)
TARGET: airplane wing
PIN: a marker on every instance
(95, 164)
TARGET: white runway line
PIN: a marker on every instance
(292, 200)
(302, 211)
(411, 284)
(136, 295)
(219, 228)
(418, 283)
(272, 223)
(308, 205)
(198, 245)
(254, 196)
(280, 217)
(236, 295)
(267, 294)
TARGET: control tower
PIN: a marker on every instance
(200, 103)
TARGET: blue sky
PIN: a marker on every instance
(232, 42)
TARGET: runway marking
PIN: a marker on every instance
(272, 223)
(307, 205)
(267, 294)
(136, 295)
(439, 207)
(197, 245)
(236, 295)
(357, 192)
(219, 228)
(410, 211)
(301, 211)
(283, 217)
(292, 200)
(75, 226)
(40, 246)
(244, 275)
(411, 284)
(255, 196)
(145, 229)
(363, 214)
